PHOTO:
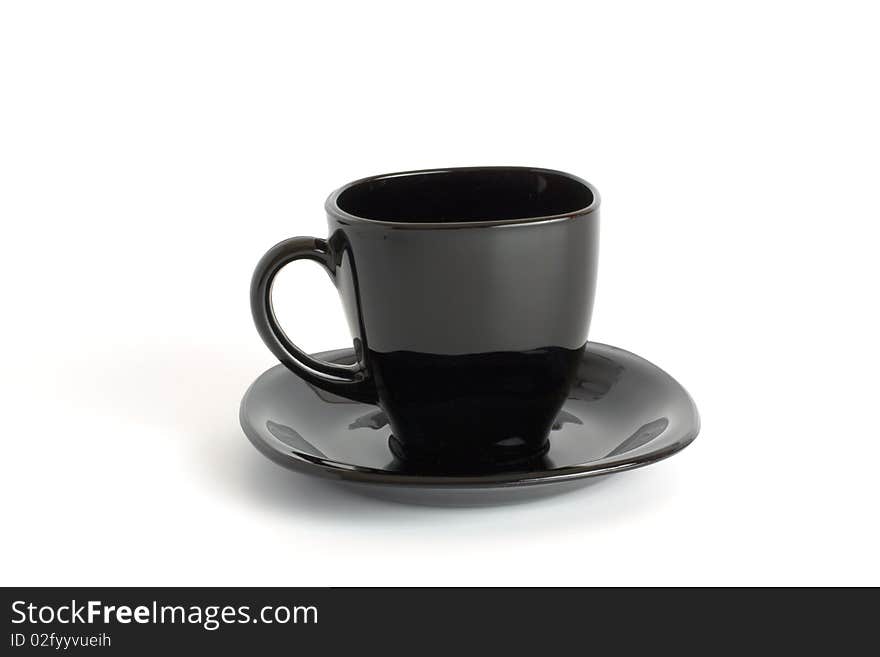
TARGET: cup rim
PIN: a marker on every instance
(346, 218)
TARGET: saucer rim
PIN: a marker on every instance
(330, 469)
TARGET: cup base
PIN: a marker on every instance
(449, 463)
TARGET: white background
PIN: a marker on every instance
(150, 152)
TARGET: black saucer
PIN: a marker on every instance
(622, 413)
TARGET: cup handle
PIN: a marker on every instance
(350, 381)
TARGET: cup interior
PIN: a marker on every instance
(466, 195)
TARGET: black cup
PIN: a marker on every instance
(468, 293)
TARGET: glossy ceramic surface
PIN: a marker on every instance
(621, 413)
(468, 293)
